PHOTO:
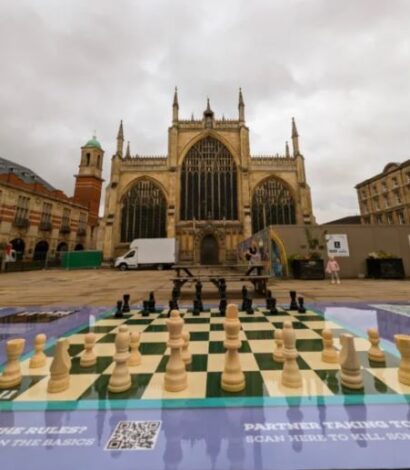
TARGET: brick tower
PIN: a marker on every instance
(89, 181)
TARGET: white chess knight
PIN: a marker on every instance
(233, 379)
(11, 376)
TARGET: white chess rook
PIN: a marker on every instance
(88, 358)
(120, 380)
(278, 352)
(403, 345)
(175, 378)
(291, 376)
(329, 353)
(59, 380)
(375, 354)
(39, 359)
(351, 373)
(11, 376)
(233, 379)
(135, 355)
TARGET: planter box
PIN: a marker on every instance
(308, 269)
(385, 268)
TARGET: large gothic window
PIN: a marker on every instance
(143, 212)
(209, 182)
(272, 204)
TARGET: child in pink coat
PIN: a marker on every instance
(333, 269)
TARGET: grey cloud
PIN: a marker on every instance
(341, 68)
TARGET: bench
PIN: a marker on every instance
(259, 281)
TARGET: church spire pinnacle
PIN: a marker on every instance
(295, 139)
(175, 106)
(208, 111)
(287, 153)
(120, 140)
(128, 152)
(241, 107)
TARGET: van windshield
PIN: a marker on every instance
(130, 254)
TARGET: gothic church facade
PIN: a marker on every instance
(208, 192)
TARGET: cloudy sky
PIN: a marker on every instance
(342, 68)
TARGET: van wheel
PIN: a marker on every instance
(122, 267)
(160, 267)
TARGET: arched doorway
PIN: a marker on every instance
(18, 246)
(62, 246)
(79, 247)
(209, 250)
(40, 251)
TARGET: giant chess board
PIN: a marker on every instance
(321, 381)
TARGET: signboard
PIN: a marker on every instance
(337, 245)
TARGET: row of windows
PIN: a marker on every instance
(384, 186)
(22, 214)
(397, 217)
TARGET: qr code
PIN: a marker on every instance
(134, 435)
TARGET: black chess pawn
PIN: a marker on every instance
(175, 293)
(173, 305)
(222, 306)
(126, 303)
(145, 308)
(118, 311)
(151, 303)
(301, 308)
(293, 304)
(196, 307)
(273, 309)
(198, 288)
(248, 308)
(268, 299)
(200, 304)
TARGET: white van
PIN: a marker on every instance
(155, 252)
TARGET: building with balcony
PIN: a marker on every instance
(41, 221)
(385, 197)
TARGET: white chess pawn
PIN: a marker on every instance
(278, 352)
(291, 376)
(175, 378)
(375, 354)
(350, 374)
(135, 355)
(232, 379)
(39, 359)
(186, 355)
(88, 358)
(11, 376)
(329, 353)
(120, 380)
(403, 345)
(60, 368)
